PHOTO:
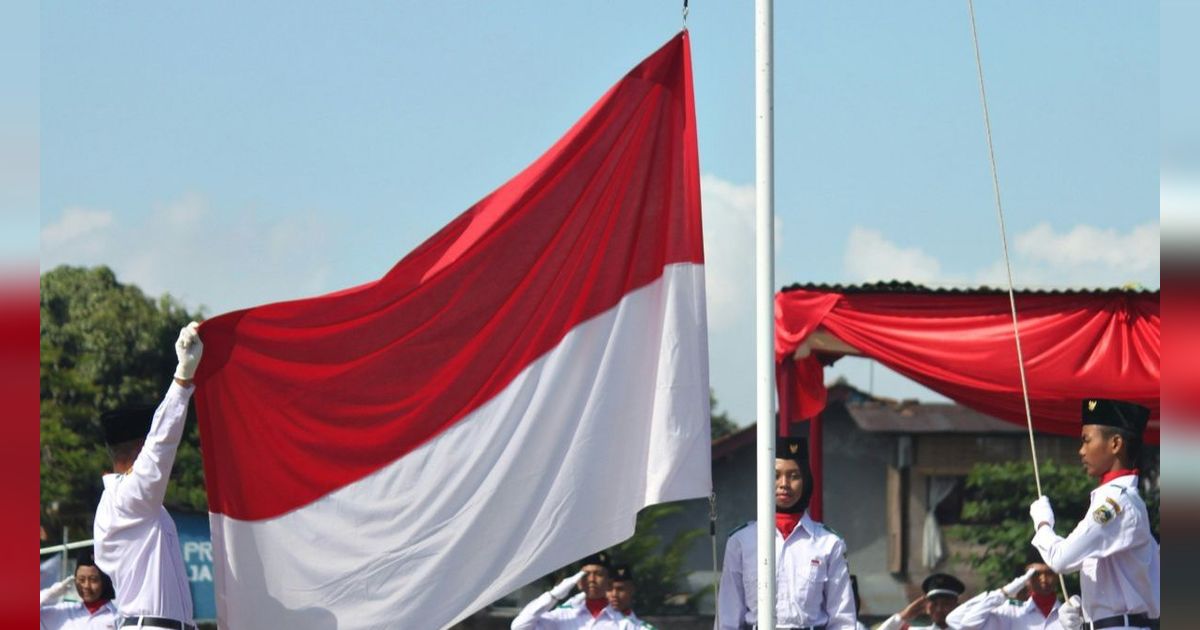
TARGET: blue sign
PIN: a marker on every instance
(195, 540)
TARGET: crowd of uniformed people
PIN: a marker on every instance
(1111, 549)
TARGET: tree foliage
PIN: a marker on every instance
(658, 564)
(995, 513)
(103, 345)
(722, 424)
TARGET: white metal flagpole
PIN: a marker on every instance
(764, 188)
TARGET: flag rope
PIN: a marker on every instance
(712, 534)
(1012, 300)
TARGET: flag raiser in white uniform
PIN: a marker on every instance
(135, 539)
(1112, 549)
(812, 579)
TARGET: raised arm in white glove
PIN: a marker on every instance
(1070, 614)
(527, 618)
(55, 591)
(565, 587)
(1041, 512)
(188, 349)
(1013, 588)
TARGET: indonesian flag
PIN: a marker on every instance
(501, 403)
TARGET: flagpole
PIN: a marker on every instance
(764, 188)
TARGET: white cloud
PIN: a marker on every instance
(1084, 256)
(1087, 246)
(75, 227)
(1179, 210)
(729, 223)
(201, 255)
(871, 257)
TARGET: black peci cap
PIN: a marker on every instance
(622, 573)
(942, 584)
(127, 424)
(1118, 414)
(600, 558)
(794, 448)
(85, 559)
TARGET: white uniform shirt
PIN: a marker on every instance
(135, 539)
(57, 615)
(896, 622)
(75, 616)
(812, 579)
(1113, 551)
(540, 614)
(638, 623)
(991, 610)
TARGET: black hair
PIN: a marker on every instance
(106, 586)
(1132, 442)
(125, 451)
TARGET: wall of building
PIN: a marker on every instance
(856, 464)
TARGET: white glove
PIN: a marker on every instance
(565, 587)
(188, 349)
(1013, 588)
(55, 591)
(1070, 616)
(1041, 512)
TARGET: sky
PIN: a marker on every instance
(233, 154)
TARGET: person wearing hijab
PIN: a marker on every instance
(812, 576)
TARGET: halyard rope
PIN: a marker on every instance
(1012, 300)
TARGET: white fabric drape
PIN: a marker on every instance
(934, 551)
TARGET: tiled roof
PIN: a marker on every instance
(878, 416)
(896, 286)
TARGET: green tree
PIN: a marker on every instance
(103, 345)
(722, 424)
(658, 564)
(996, 512)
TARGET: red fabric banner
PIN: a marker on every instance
(1075, 346)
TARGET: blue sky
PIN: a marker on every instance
(233, 155)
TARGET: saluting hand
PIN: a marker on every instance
(564, 587)
(914, 609)
(1013, 588)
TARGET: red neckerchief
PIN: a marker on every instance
(94, 606)
(1109, 476)
(785, 523)
(1045, 603)
(627, 613)
(596, 606)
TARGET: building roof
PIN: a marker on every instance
(726, 445)
(896, 286)
(884, 415)
(911, 417)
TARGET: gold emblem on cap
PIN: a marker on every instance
(793, 448)
(1091, 405)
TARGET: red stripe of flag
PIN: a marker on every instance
(300, 398)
